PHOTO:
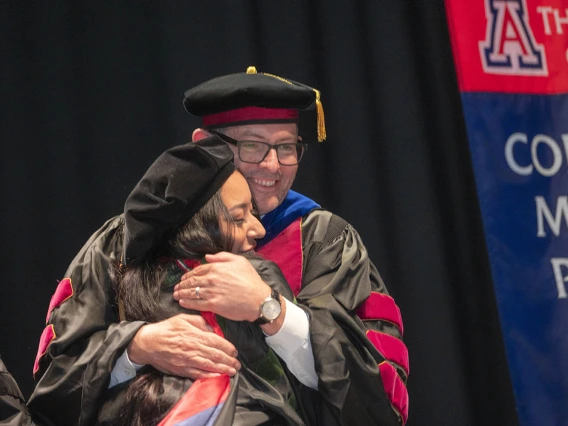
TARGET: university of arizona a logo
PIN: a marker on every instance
(509, 46)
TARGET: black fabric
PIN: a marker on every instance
(89, 337)
(337, 278)
(261, 390)
(13, 410)
(92, 92)
(239, 90)
(177, 185)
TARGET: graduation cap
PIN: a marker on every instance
(252, 98)
(174, 188)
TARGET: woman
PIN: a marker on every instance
(193, 202)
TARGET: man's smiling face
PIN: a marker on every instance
(269, 180)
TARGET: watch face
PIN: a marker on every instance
(271, 309)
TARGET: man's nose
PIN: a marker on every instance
(270, 162)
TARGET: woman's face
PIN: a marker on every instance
(236, 196)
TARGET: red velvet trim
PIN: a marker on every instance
(391, 348)
(191, 263)
(46, 338)
(203, 400)
(205, 397)
(380, 306)
(395, 389)
(248, 114)
(212, 321)
(63, 292)
(286, 251)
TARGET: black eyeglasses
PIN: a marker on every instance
(254, 152)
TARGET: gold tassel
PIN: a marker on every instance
(322, 135)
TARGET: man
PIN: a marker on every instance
(341, 337)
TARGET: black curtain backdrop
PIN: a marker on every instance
(91, 92)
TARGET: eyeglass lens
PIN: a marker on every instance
(255, 152)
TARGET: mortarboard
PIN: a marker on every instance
(177, 184)
(251, 98)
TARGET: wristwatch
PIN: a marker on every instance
(270, 309)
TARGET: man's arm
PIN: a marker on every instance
(183, 345)
(292, 343)
(82, 338)
(362, 366)
(232, 287)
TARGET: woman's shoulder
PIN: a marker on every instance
(271, 274)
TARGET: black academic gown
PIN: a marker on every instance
(337, 278)
(75, 371)
(263, 392)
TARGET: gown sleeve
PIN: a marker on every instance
(83, 336)
(13, 410)
(355, 327)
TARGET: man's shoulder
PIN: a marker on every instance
(105, 241)
(321, 214)
(111, 229)
(322, 225)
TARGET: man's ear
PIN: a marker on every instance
(199, 134)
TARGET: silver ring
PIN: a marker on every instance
(197, 292)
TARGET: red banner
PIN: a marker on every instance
(510, 46)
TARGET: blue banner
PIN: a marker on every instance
(519, 149)
(512, 63)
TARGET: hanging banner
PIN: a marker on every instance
(511, 59)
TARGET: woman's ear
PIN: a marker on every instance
(199, 134)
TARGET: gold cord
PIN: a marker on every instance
(322, 134)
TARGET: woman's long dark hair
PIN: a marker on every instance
(138, 289)
(208, 231)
